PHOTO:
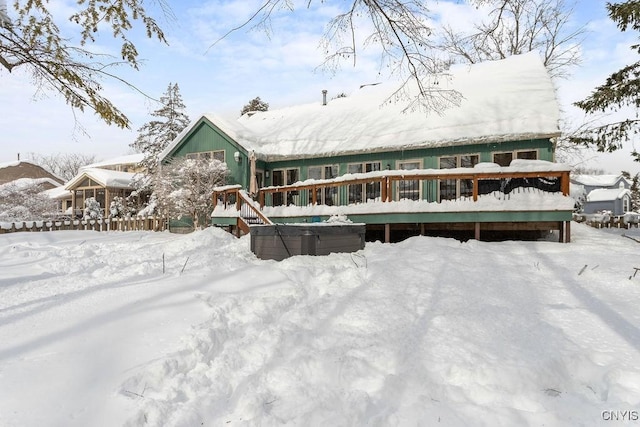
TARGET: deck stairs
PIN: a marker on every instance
(250, 214)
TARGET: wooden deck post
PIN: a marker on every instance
(383, 190)
(475, 197)
(387, 233)
(565, 183)
(477, 230)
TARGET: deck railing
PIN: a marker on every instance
(429, 185)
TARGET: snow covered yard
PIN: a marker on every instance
(426, 331)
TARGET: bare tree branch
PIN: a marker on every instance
(519, 26)
(399, 28)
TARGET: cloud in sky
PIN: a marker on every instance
(282, 68)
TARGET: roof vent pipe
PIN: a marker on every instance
(324, 97)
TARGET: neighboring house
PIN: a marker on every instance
(25, 175)
(615, 200)
(13, 171)
(599, 193)
(129, 163)
(508, 112)
(103, 181)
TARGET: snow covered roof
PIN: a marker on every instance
(58, 193)
(9, 164)
(597, 180)
(121, 160)
(510, 99)
(104, 177)
(607, 194)
(22, 183)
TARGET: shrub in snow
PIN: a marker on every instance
(92, 209)
(151, 207)
(117, 208)
(121, 207)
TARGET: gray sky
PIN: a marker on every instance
(282, 69)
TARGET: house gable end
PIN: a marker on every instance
(205, 136)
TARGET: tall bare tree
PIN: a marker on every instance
(514, 27)
(63, 165)
(31, 38)
(399, 28)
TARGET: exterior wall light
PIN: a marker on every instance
(237, 157)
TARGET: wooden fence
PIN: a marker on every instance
(152, 223)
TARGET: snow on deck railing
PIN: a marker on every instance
(525, 185)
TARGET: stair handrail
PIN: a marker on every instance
(244, 198)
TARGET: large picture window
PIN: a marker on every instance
(359, 193)
(285, 177)
(451, 189)
(409, 189)
(327, 196)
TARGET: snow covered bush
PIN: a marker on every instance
(92, 209)
(22, 200)
(184, 186)
(117, 208)
(151, 208)
(121, 207)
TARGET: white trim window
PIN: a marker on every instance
(626, 203)
(281, 177)
(328, 196)
(207, 155)
(451, 189)
(409, 189)
(360, 193)
(504, 158)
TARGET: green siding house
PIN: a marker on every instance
(365, 155)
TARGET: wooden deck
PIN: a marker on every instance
(465, 203)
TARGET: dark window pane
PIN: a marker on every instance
(448, 162)
(527, 155)
(448, 189)
(503, 159)
(468, 161)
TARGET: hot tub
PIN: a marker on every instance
(280, 241)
